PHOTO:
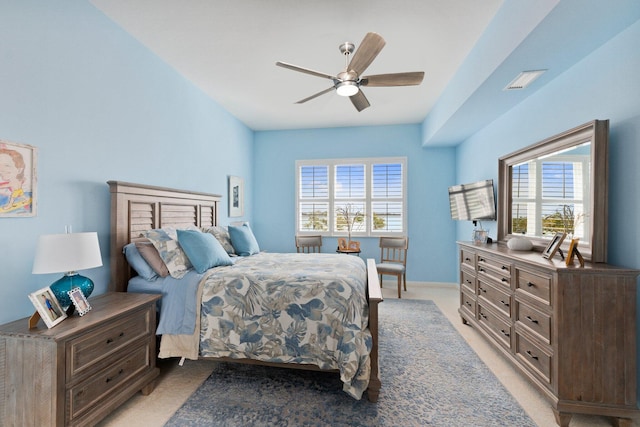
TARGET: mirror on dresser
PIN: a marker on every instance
(558, 185)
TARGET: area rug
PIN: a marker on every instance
(430, 377)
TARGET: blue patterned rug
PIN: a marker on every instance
(430, 377)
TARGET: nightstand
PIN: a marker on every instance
(77, 372)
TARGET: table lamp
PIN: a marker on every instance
(68, 253)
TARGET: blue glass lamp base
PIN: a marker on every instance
(66, 283)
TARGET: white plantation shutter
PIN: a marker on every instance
(313, 198)
(549, 196)
(374, 189)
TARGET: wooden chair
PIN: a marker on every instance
(308, 244)
(393, 259)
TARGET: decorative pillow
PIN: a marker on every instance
(170, 251)
(203, 250)
(151, 255)
(243, 240)
(138, 263)
(222, 235)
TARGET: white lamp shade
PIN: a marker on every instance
(58, 253)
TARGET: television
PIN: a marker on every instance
(473, 201)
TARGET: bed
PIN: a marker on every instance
(136, 209)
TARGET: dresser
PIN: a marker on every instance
(570, 331)
(77, 372)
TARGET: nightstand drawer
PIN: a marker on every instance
(91, 348)
(85, 395)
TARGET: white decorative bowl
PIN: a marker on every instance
(519, 244)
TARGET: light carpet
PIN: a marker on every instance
(430, 377)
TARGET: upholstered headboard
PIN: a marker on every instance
(136, 208)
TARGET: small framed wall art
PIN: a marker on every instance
(17, 180)
(79, 301)
(236, 196)
(554, 245)
(48, 308)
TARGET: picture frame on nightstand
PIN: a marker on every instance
(48, 308)
(79, 301)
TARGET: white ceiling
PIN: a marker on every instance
(229, 49)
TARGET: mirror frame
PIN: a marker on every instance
(596, 131)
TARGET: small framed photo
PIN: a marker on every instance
(79, 301)
(48, 307)
(574, 252)
(554, 245)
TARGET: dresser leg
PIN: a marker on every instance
(146, 390)
(562, 418)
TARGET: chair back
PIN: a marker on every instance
(394, 249)
(308, 244)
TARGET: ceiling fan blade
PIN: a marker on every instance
(393, 79)
(315, 95)
(359, 101)
(305, 70)
(370, 47)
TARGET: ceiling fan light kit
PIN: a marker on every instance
(348, 83)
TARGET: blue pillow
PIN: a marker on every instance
(203, 250)
(243, 240)
(138, 263)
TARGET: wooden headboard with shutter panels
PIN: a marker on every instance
(136, 208)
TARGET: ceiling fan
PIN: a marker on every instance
(349, 82)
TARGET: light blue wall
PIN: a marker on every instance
(430, 172)
(98, 106)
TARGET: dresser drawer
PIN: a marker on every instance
(468, 281)
(468, 303)
(501, 300)
(89, 351)
(495, 269)
(468, 258)
(498, 326)
(534, 357)
(536, 285)
(534, 320)
(85, 395)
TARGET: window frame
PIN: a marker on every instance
(368, 199)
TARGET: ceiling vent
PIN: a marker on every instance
(524, 79)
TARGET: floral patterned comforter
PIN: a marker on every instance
(292, 308)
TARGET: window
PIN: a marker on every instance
(368, 195)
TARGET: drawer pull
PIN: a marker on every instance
(110, 340)
(484, 316)
(504, 280)
(532, 320)
(505, 333)
(109, 379)
(506, 304)
(468, 303)
(504, 267)
(467, 259)
(482, 290)
(468, 281)
(530, 284)
(531, 355)
(481, 269)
